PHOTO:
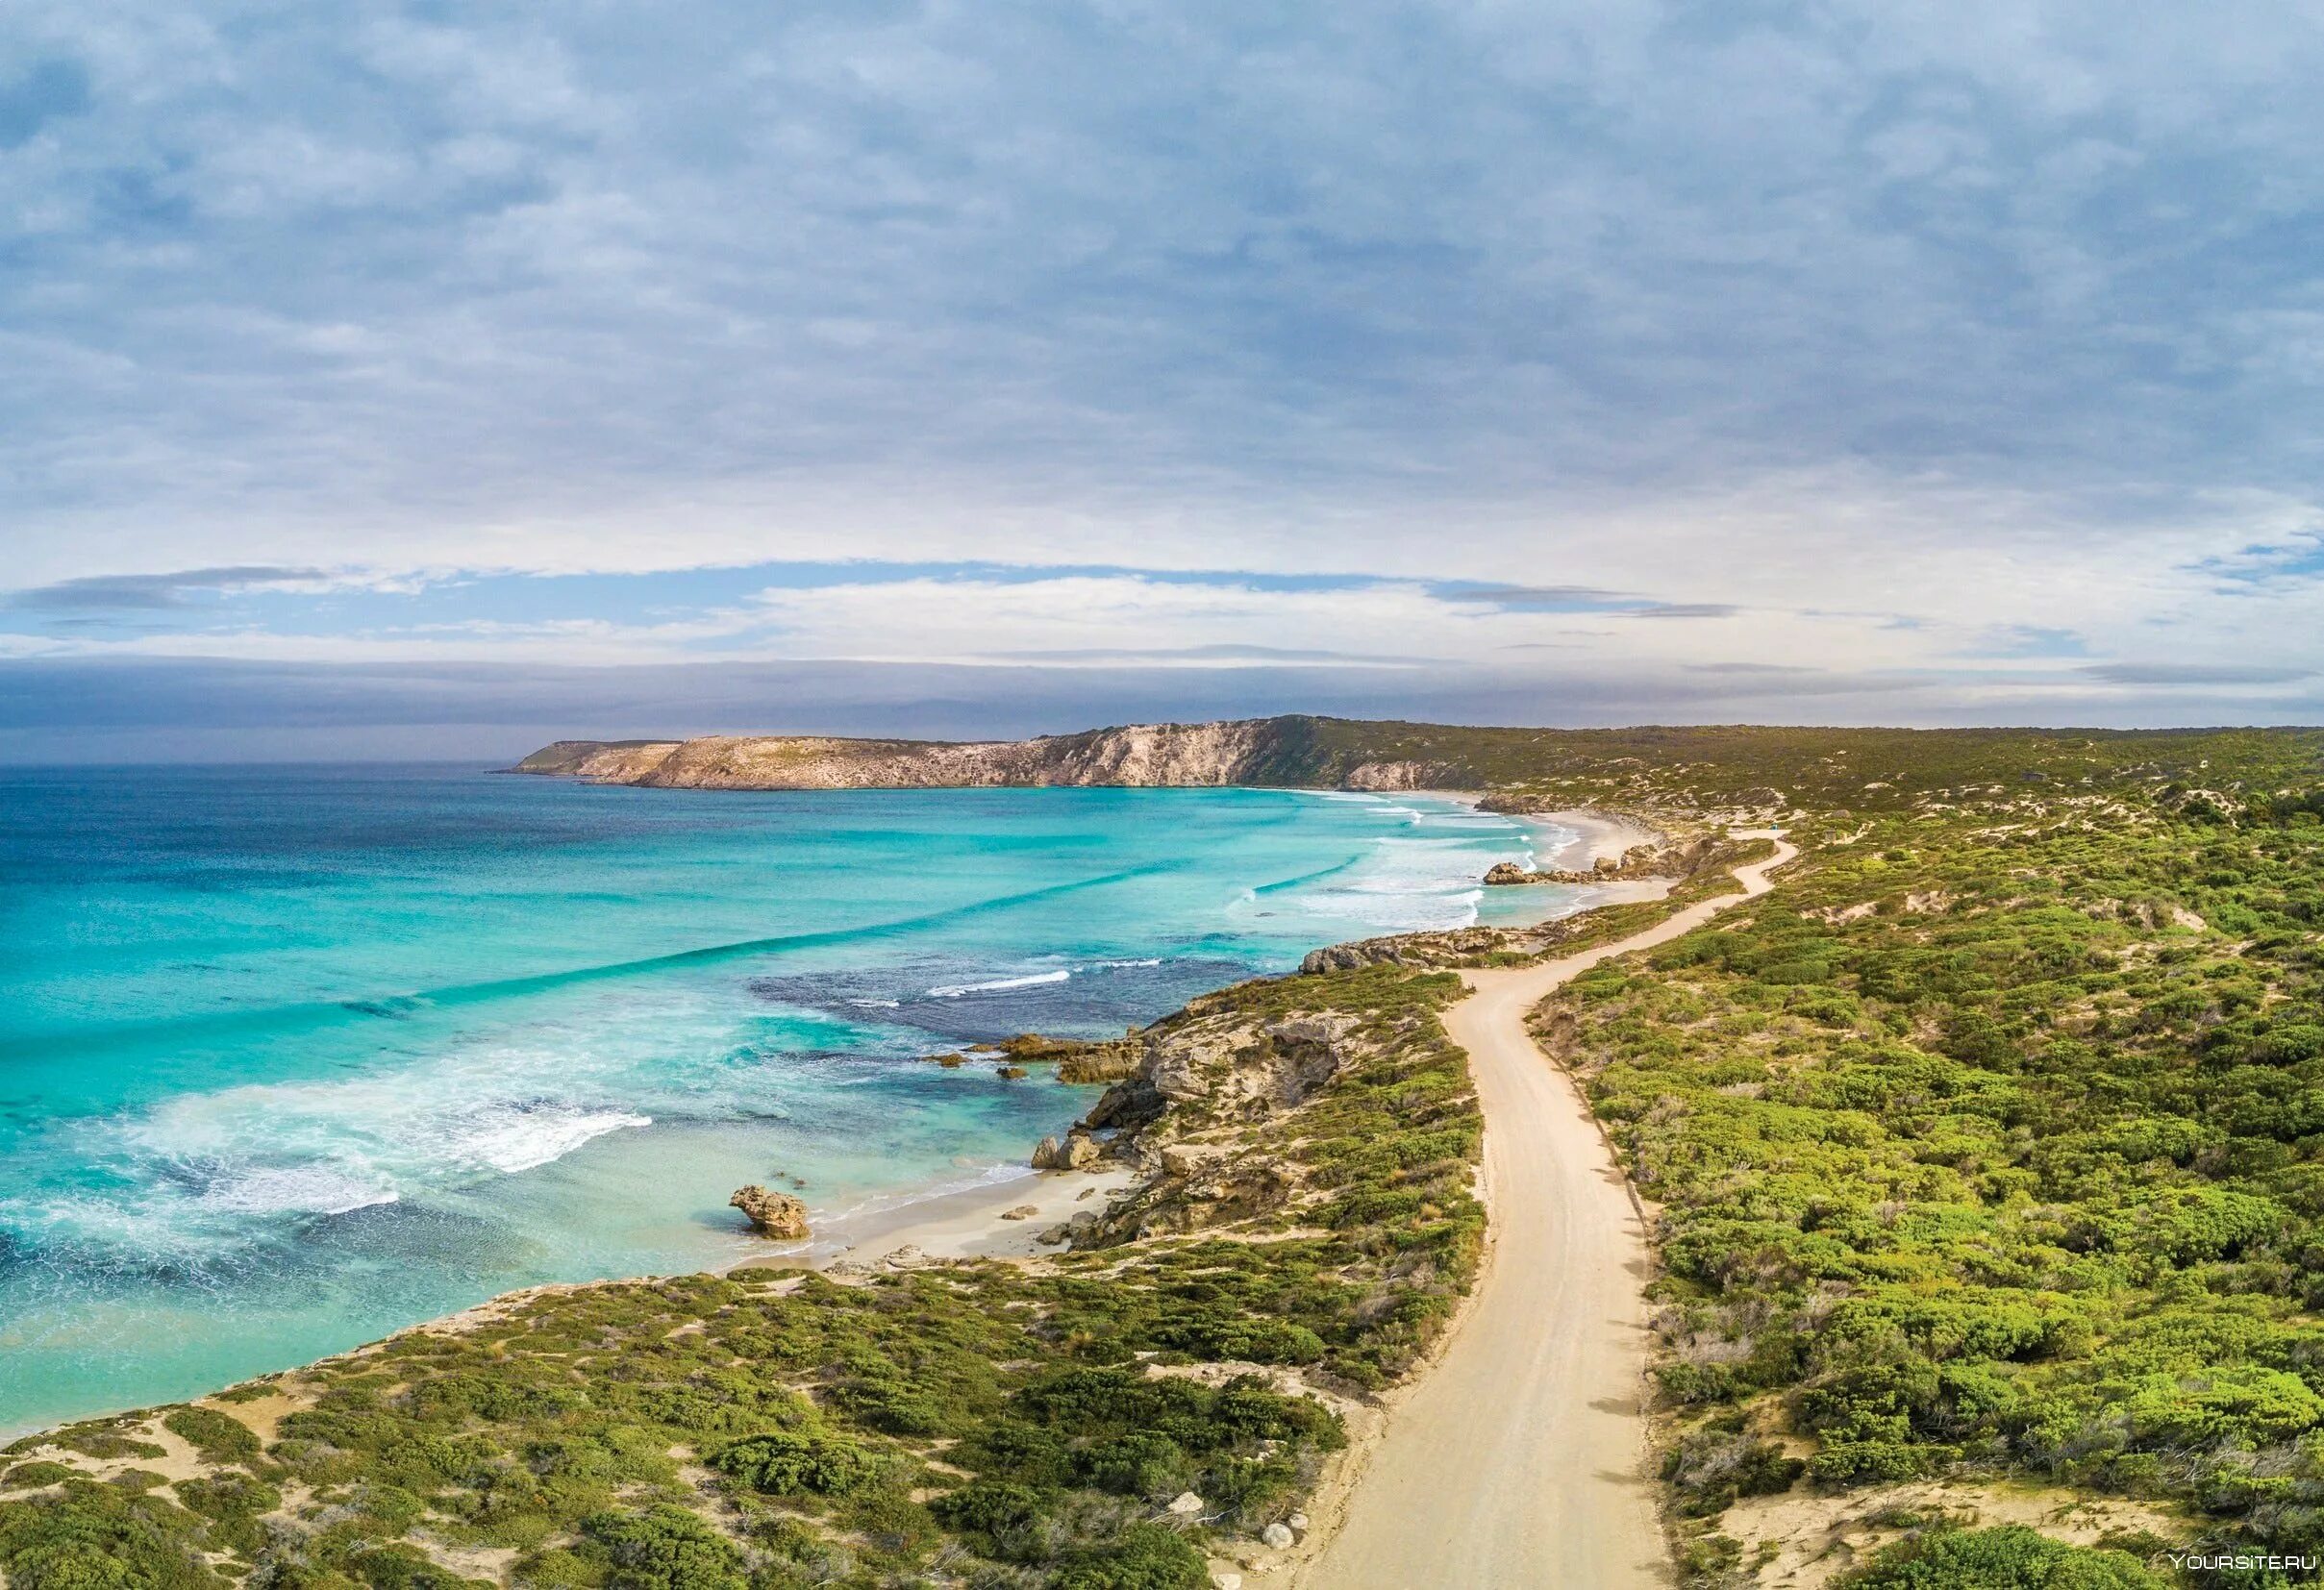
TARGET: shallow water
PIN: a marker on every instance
(291, 1058)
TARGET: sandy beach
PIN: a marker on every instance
(1598, 835)
(980, 1221)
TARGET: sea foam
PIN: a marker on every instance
(954, 991)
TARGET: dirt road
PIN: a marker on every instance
(1520, 1459)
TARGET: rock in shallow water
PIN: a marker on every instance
(775, 1214)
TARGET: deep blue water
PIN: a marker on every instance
(293, 1056)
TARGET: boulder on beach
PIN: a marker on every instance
(1507, 872)
(775, 1214)
(1078, 1152)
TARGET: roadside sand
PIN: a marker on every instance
(1520, 1459)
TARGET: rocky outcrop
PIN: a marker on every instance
(1078, 1060)
(1680, 859)
(1078, 1152)
(1401, 776)
(1184, 1120)
(1452, 947)
(775, 1214)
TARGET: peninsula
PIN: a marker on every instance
(1256, 751)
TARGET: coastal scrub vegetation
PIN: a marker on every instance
(1986, 1149)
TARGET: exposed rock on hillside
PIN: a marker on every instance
(1140, 754)
(1682, 858)
(1078, 1060)
(612, 761)
(1257, 751)
(1204, 1078)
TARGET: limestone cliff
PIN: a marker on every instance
(1255, 751)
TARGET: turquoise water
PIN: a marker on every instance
(291, 1058)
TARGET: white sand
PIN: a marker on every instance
(965, 1223)
(1599, 835)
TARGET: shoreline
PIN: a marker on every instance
(942, 1220)
(945, 1222)
(961, 1216)
(998, 1214)
(1599, 835)
(914, 1199)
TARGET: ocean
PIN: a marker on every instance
(291, 1058)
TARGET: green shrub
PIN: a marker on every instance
(665, 1548)
(218, 1437)
(787, 1463)
(100, 1537)
(999, 1516)
(1145, 1556)
(1142, 1463)
(2007, 1558)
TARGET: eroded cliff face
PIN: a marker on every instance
(1151, 754)
(610, 762)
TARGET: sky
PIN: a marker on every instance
(435, 379)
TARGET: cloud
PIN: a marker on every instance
(1766, 668)
(145, 593)
(1537, 598)
(1222, 654)
(2195, 673)
(1688, 609)
(1899, 345)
